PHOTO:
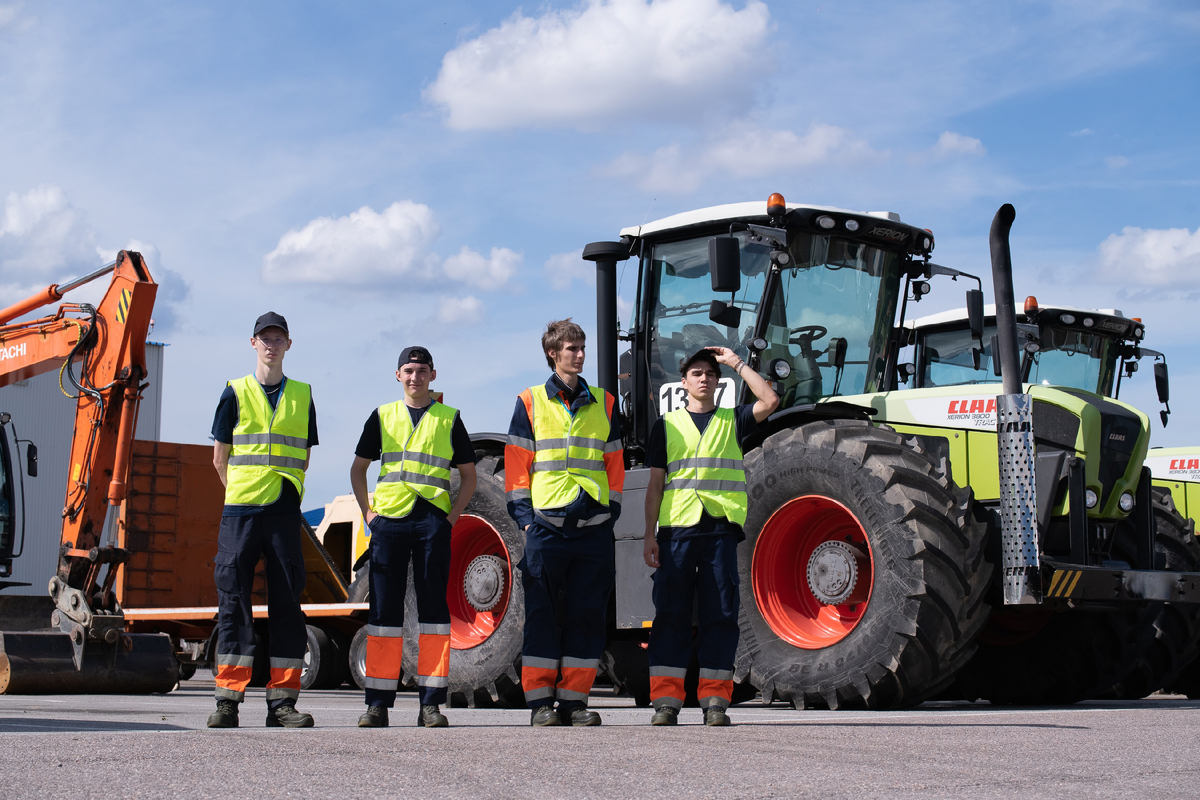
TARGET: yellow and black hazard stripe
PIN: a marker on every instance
(1064, 582)
(123, 305)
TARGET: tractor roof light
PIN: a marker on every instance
(852, 225)
(1031, 306)
(826, 222)
(1088, 322)
(1090, 498)
(1066, 319)
(1126, 502)
(1139, 332)
(776, 206)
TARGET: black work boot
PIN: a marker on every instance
(286, 716)
(578, 717)
(374, 717)
(544, 717)
(715, 716)
(666, 715)
(431, 717)
(226, 715)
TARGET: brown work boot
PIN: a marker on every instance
(430, 717)
(226, 715)
(375, 717)
(286, 716)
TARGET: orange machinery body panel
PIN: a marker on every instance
(172, 516)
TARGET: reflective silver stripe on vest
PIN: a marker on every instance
(580, 663)
(707, 485)
(287, 663)
(416, 477)
(551, 444)
(270, 438)
(386, 631)
(539, 663)
(558, 465)
(559, 521)
(522, 442)
(231, 660)
(574, 441)
(434, 629)
(703, 463)
(668, 672)
(419, 458)
(266, 461)
(716, 674)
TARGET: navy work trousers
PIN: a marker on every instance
(241, 542)
(422, 537)
(567, 578)
(699, 570)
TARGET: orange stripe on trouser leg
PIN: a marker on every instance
(538, 678)
(233, 677)
(714, 688)
(577, 679)
(666, 686)
(284, 678)
(433, 656)
(383, 656)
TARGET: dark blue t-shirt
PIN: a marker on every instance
(656, 456)
(226, 420)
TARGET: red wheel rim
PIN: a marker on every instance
(473, 537)
(780, 567)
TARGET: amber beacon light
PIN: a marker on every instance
(776, 205)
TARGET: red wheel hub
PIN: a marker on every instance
(476, 546)
(794, 576)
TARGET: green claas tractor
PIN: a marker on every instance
(1090, 350)
(892, 534)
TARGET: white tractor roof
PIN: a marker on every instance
(732, 211)
(960, 314)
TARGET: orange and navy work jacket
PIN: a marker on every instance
(519, 454)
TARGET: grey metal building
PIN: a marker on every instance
(43, 414)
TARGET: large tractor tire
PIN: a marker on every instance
(1176, 641)
(487, 603)
(863, 575)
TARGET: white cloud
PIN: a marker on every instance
(1083, 132)
(952, 144)
(741, 152)
(1116, 162)
(472, 268)
(43, 238)
(460, 310)
(12, 18)
(604, 62)
(1153, 257)
(563, 269)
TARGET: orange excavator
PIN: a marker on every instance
(100, 354)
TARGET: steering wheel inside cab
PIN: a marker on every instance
(806, 334)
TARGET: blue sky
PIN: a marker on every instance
(393, 173)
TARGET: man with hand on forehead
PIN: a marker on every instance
(417, 440)
(697, 499)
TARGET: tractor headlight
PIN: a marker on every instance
(852, 225)
(1066, 319)
(1090, 498)
(826, 222)
(1126, 502)
(1088, 322)
(780, 368)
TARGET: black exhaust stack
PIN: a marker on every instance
(606, 255)
(1006, 308)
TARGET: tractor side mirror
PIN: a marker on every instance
(725, 314)
(837, 352)
(996, 356)
(1161, 382)
(975, 314)
(976, 358)
(725, 263)
(31, 460)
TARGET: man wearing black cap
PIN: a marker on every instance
(696, 497)
(417, 441)
(263, 433)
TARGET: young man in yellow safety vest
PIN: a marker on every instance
(696, 498)
(263, 432)
(564, 471)
(417, 441)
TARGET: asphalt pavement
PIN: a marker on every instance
(158, 746)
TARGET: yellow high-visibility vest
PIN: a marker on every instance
(704, 472)
(414, 462)
(270, 445)
(568, 450)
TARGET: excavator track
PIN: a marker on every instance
(42, 662)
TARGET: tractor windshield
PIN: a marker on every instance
(836, 290)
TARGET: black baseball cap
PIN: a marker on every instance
(705, 354)
(414, 355)
(270, 320)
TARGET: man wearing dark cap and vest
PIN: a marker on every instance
(697, 499)
(564, 471)
(417, 441)
(263, 432)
